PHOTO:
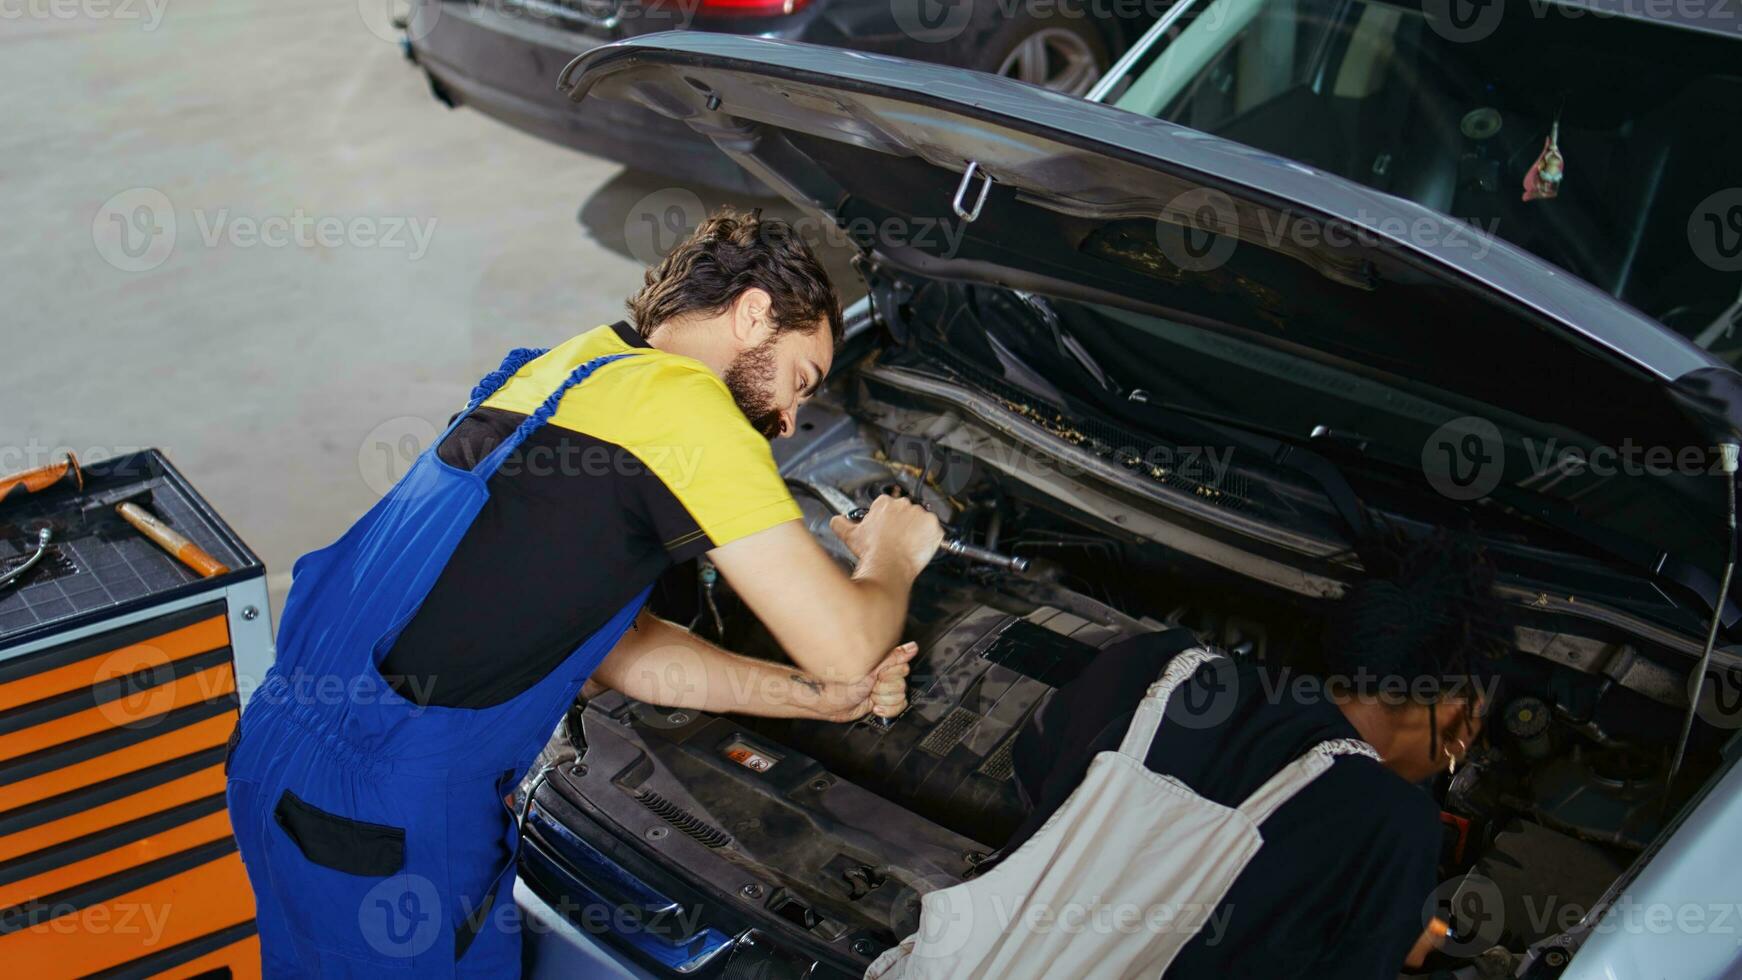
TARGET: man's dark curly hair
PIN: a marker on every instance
(1427, 612)
(728, 253)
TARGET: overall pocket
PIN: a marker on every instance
(353, 846)
(351, 887)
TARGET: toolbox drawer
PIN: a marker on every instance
(116, 853)
(114, 841)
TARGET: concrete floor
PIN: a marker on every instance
(291, 376)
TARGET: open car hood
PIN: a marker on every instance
(1099, 205)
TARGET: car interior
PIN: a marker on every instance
(1642, 114)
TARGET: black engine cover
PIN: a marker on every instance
(981, 673)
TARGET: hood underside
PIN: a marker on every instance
(957, 175)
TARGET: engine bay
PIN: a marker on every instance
(855, 822)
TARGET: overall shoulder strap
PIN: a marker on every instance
(1294, 777)
(517, 358)
(538, 418)
(1154, 704)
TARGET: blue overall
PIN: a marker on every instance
(375, 831)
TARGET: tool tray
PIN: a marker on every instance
(97, 565)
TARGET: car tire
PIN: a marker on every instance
(1065, 54)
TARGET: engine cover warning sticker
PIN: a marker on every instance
(749, 758)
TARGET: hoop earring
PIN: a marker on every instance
(1452, 758)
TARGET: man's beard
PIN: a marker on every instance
(750, 379)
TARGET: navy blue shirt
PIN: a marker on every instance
(1340, 885)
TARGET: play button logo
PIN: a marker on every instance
(401, 916)
(931, 21)
(1461, 21)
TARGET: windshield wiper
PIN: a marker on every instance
(1068, 343)
(1283, 452)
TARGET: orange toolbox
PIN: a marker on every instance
(122, 671)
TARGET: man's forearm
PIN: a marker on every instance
(664, 664)
(877, 620)
(835, 625)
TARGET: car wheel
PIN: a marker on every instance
(1066, 55)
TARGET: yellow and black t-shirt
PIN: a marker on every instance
(645, 464)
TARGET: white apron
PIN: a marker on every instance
(1121, 877)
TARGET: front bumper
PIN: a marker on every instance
(593, 906)
(506, 65)
(557, 949)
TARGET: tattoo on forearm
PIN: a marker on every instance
(815, 686)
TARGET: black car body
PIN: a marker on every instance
(500, 57)
(1169, 413)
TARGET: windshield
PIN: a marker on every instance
(1646, 121)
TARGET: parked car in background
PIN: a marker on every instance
(1165, 367)
(501, 57)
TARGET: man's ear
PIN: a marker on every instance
(751, 324)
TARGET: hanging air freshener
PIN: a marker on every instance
(1544, 178)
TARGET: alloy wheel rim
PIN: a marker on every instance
(1055, 58)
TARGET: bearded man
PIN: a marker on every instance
(426, 656)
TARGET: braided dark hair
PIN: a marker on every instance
(1427, 615)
